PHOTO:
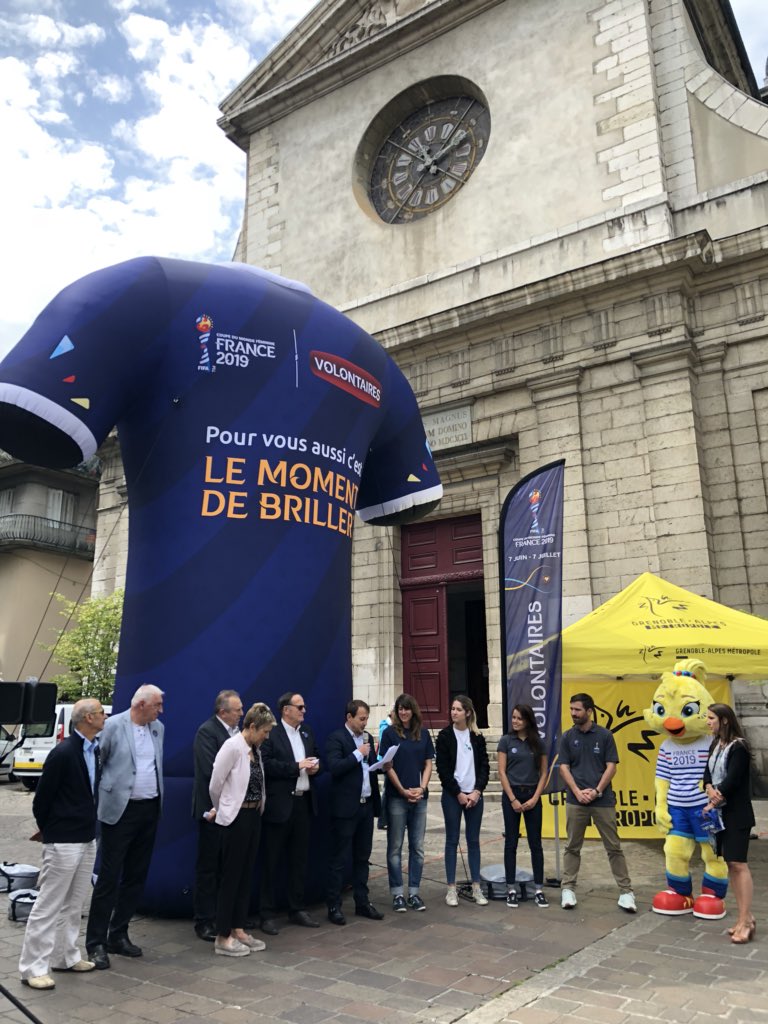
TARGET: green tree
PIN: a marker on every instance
(88, 646)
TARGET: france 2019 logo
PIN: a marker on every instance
(204, 325)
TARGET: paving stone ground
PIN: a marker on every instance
(478, 965)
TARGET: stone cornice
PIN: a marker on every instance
(475, 462)
(266, 96)
(664, 360)
(694, 253)
(554, 387)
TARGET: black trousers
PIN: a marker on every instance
(239, 846)
(286, 842)
(353, 835)
(207, 871)
(126, 850)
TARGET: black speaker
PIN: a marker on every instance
(27, 703)
(39, 702)
(12, 703)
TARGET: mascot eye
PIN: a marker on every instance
(691, 709)
(658, 709)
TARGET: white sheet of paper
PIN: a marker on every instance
(384, 761)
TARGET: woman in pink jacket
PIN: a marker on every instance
(237, 792)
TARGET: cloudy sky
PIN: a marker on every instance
(108, 114)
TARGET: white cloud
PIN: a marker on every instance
(52, 66)
(265, 20)
(42, 30)
(112, 88)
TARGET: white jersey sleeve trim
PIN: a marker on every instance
(52, 413)
(407, 501)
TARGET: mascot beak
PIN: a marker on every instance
(674, 726)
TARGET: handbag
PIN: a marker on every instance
(20, 904)
(17, 876)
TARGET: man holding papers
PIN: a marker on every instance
(355, 802)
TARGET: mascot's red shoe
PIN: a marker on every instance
(709, 907)
(672, 903)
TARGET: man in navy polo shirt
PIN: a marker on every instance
(588, 760)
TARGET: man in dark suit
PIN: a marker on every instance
(65, 810)
(223, 723)
(290, 764)
(130, 799)
(355, 802)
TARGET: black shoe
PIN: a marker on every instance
(98, 956)
(206, 931)
(368, 910)
(335, 916)
(268, 926)
(302, 918)
(123, 947)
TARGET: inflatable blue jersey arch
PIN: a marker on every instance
(254, 421)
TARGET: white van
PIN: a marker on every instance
(8, 741)
(39, 739)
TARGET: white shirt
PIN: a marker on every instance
(299, 752)
(365, 792)
(464, 772)
(145, 783)
(232, 730)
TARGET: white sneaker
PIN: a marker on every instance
(452, 897)
(627, 902)
(568, 899)
(478, 895)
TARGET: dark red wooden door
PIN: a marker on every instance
(425, 652)
(434, 554)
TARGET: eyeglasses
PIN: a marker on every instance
(299, 707)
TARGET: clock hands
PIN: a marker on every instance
(452, 143)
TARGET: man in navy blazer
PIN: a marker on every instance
(209, 738)
(290, 763)
(355, 802)
(65, 811)
(130, 798)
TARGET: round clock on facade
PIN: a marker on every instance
(427, 158)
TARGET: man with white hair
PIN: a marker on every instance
(65, 810)
(130, 799)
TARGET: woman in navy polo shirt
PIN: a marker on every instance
(523, 775)
(406, 795)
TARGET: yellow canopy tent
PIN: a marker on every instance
(643, 630)
(617, 654)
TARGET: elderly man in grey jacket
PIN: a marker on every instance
(130, 798)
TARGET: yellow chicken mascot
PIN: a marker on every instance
(679, 713)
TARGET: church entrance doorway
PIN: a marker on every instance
(444, 636)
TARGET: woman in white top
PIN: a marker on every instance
(461, 758)
(237, 792)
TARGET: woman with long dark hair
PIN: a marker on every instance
(727, 785)
(523, 775)
(408, 777)
(462, 764)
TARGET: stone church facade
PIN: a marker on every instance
(579, 272)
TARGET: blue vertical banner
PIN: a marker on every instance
(531, 574)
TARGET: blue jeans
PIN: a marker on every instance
(473, 816)
(402, 815)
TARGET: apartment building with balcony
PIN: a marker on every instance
(47, 539)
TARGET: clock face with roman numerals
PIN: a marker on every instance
(428, 157)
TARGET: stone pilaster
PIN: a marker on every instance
(558, 435)
(668, 380)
